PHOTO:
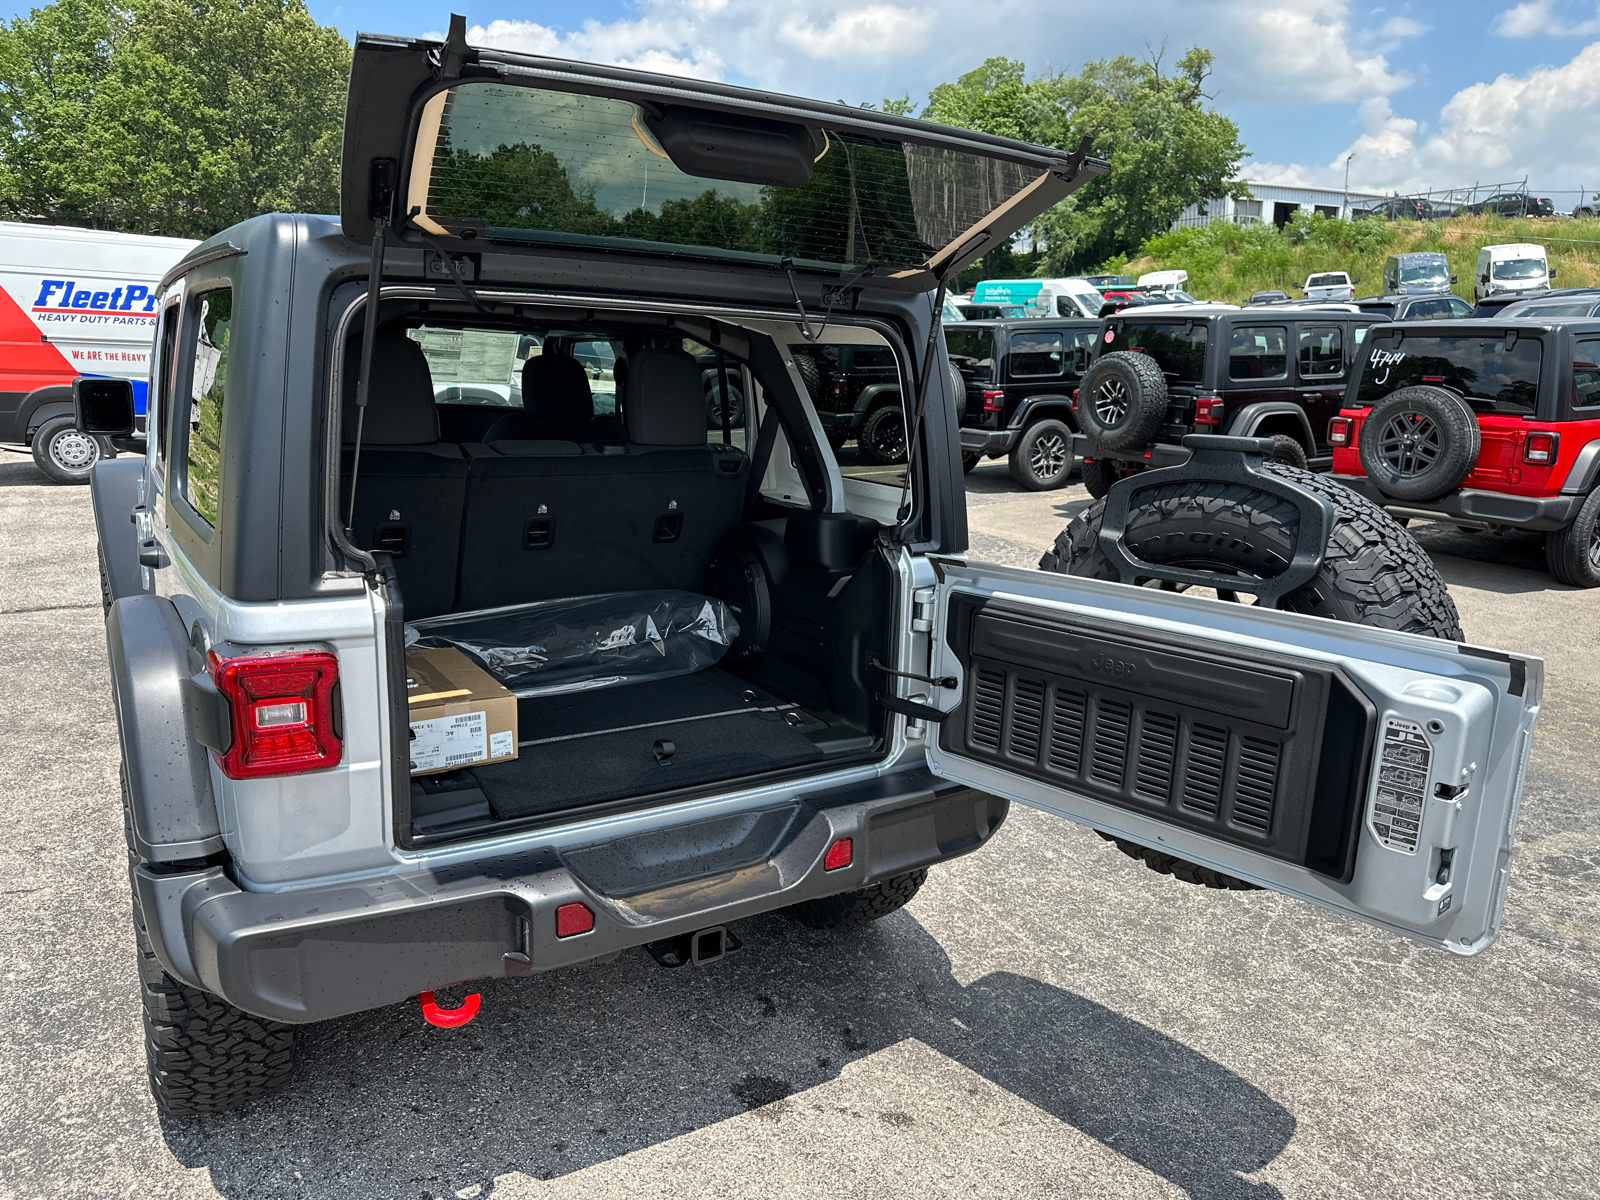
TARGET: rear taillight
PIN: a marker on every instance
(838, 387)
(1339, 431)
(1208, 410)
(993, 400)
(280, 712)
(1540, 448)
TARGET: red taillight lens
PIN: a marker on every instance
(992, 400)
(1540, 448)
(280, 712)
(1339, 431)
(1208, 410)
(573, 919)
(838, 855)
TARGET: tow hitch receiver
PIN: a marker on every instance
(449, 1018)
(701, 947)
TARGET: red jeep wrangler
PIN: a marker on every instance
(1483, 423)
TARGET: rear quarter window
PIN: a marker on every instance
(1179, 348)
(1490, 375)
(213, 311)
(1586, 375)
(972, 350)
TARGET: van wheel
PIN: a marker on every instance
(1573, 553)
(205, 1055)
(1288, 451)
(63, 453)
(1122, 400)
(1042, 458)
(857, 908)
(1419, 443)
(882, 437)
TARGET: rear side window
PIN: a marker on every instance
(1490, 374)
(1179, 349)
(1258, 352)
(972, 350)
(1036, 354)
(1327, 281)
(1429, 310)
(1321, 351)
(208, 387)
(1586, 374)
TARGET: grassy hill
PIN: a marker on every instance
(1228, 262)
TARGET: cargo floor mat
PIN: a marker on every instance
(587, 747)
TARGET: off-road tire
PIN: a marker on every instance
(850, 909)
(1573, 553)
(837, 437)
(63, 453)
(205, 1055)
(1288, 451)
(1099, 475)
(1163, 863)
(876, 438)
(1122, 400)
(714, 407)
(1374, 573)
(810, 375)
(969, 461)
(1041, 460)
(1419, 443)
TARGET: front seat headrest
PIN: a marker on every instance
(665, 402)
(401, 410)
(556, 386)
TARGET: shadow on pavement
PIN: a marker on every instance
(1511, 562)
(574, 1068)
(19, 470)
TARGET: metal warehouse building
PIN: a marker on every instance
(1276, 203)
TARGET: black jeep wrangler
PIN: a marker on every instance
(412, 692)
(1162, 374)
(1018, 378)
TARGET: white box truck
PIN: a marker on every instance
(73, 302)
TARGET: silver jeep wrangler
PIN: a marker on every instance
(531, 404)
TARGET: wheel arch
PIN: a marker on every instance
(872, 394)
(1038, 408)
(1267, 417)
(41, 405)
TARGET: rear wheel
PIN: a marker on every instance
(63, 453)
(1099, 475)
(1573, 553)
(1373, 572)
(857, 908)
(882, 437)
(968, 461)
(1042, 458)
(1288, 451)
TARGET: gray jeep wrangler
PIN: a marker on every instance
(467, 418)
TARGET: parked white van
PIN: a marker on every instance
(1514, 267)
(1164, 281)
(1072, 297)
(73, 302)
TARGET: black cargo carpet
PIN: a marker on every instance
(720, 728)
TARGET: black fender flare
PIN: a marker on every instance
(871, 394)
(173, 815)
(1035, 407)
(1248, 419)
(41, 404)
(114, 491)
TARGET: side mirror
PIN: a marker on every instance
(1552, 272)
(103, 406)
(1484, 279)
(1355, 281)
(1452, 280)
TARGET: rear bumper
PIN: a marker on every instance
(988, 441)
(322, 952)
(1471, 507)
(1157, 454)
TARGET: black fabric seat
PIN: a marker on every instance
(411, 487)
(557, 406)
(645, 515)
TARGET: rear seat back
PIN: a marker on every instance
(412, 487)
(542, 523)
(558, 405)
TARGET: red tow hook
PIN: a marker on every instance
(449, 1018)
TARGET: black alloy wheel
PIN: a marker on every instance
(882, 437)
(1042, 457)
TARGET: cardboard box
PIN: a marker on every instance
(460, 714)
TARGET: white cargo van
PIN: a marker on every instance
(1164, 281)
(73, 302)
(1514, 267)
(1071, 297)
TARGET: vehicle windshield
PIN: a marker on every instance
(1179, 348)
(1426, 273)
(1518, 268)
(1183, 297)
(527, 164)
(972, 350)
(1488, 374)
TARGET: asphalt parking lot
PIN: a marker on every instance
(1047, 1018)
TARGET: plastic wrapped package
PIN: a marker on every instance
(566, 645)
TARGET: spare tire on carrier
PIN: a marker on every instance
(1419, 443)
(1122, 400)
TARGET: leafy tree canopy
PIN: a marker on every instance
(163, 116)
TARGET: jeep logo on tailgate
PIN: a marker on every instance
(1104, 664)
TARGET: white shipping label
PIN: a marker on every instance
(502, 744)
(446, 743)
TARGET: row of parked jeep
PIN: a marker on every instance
(1485, 421)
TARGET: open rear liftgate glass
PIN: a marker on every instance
(1372, 772)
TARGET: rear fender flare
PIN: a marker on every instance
(1249, 419)
(114, 490)
(873, 393)
(1036, 408)
(174, 815)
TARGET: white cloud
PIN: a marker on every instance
(862, 33)
(1308, 51)
(1537, 17)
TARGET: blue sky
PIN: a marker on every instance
(1437, 94)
